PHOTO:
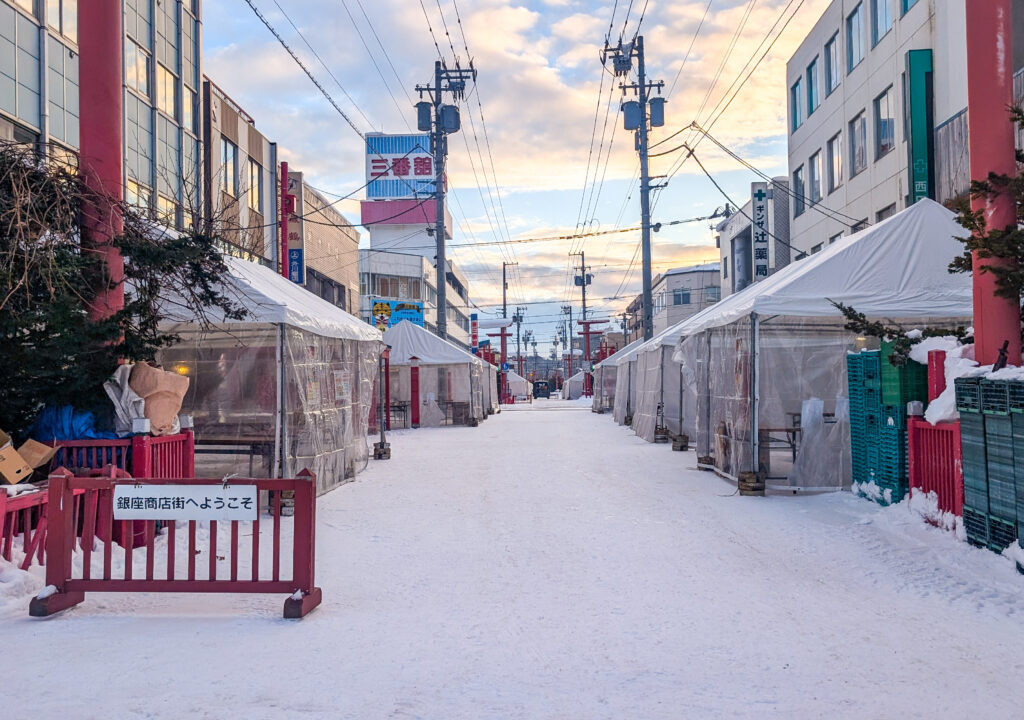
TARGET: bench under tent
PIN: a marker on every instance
(768, 364)
(289, 387)
(450, 380)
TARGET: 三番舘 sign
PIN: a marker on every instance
(399, 166)
(185, 502)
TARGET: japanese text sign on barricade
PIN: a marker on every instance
(185, 502)
(759, 229)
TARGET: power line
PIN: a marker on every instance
(305, 69)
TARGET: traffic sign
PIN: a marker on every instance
(504, 367)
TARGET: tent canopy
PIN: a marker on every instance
(273, 299)
(408, 340)
(897, 268)
(620, 356)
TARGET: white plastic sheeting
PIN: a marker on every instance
(606, 378)
(451, 380)
(518, 386)
(574, 386)
(290, 387)
(767, 365)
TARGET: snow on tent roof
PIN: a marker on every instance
(578, 376)
(408, 340)
(273, 299)
(896, 268)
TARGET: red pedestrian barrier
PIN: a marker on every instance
(265, 575)
(141, 456)
(24, 516)
(935, 461)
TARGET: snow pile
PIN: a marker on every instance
(919, 352)
(959, 363)
(926, 504)
(871, 491)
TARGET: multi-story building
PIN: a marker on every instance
(162, 82)
(877, 113)
(240, 188)
(386, 276)
(681, 292)
(754, 242)
(39, 73)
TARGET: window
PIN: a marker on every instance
(255, 187)
(136, 68)
(881, 19)
(858, 226)
(796, 104)
(855, 38)
(228, 167)
(835, 162)
(681, 296)
(832, 64)
(725, 268)
(907, 4)
(798, 191)
(813, 100)
(814, 169)
(414, 288)
(165, 208)
(815, 249)
(712, 293)
(886, 212)
(26, 5)
(363, 282)
(858, 144)
(885, 124)
(834, 238)
(166, 90)
(188, 111)
(136, 194)
(61, 15)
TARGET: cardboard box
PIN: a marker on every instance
(18, 465)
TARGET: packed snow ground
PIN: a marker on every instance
(549, 564)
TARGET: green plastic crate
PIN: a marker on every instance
(902, 384)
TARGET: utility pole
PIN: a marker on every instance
(636, 118)
(518, 318)
(583, 279)
(568, 342)
(504, 288)
(441, 120)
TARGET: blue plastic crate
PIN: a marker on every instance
(1015, 394)
(976, 526)
(1001, 533)
(968, 394)
(995, 397)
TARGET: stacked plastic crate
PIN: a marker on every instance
(1016, 401)
(863, 373)
(1002, 486)
(975, 463)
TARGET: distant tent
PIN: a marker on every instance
(518, 386)
(574, 386)
(451, 380)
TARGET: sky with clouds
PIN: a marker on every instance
(550, 110)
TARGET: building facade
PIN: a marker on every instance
(877, 113)
(754, 242)
(240, 187)
(39, 97)
(684, 291)
(411, 278)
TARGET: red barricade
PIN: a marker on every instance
(264, 576)
(24, 515)
(935, 461)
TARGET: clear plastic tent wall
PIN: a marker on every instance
(270, 401)
(604, 387)
(574, 386)
(662, 392)
(288, 388)
(625, 390)
(800, 429)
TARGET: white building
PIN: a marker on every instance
(754, 241)
(877, 115)
(681, 292)
(411, 277)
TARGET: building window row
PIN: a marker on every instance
(62, 16)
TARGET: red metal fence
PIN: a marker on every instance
(24, 516)
(96, 523)
(935, 461)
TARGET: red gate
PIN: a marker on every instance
(67, 586)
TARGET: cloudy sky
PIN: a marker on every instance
(550, 110)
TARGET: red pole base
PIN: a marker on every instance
(296, 609)
(44, 607)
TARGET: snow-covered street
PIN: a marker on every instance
(549, 564)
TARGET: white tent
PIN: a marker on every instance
(518, 386)
(624, 402)
(768, 367)
(659, 384)
(451, 380)
(288, 387)
(574, 386)
(606, 377)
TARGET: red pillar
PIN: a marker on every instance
(414, 395)
(991, 141)
(101, 130)
(286, 207)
